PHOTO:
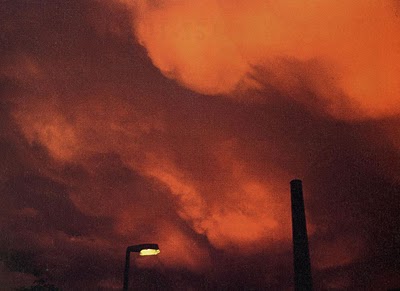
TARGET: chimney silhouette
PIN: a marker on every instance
(302, 265)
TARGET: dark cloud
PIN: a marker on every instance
(98, 151)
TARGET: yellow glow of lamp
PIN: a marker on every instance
(149, 252)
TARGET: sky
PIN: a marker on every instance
(182, 122)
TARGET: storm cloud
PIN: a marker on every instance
(182, 124)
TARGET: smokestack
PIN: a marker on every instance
(302, 265)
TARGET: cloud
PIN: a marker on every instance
(99, 150)
(212, 46)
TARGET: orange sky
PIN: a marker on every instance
(211, 46)
(182, 123)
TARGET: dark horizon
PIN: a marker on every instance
(181, 123)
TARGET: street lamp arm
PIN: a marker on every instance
(143, 250)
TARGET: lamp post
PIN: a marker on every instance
(143, 250)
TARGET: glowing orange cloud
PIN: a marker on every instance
(49, 127)
(184, 37)
(210, 46)
(237, 211)
(101, 151)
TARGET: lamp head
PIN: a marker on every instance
(145, 249)
(149, 252)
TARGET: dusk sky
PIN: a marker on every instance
(182, 122)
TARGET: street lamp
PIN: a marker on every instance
(143, 250)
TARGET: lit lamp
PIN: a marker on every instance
(143, 250)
